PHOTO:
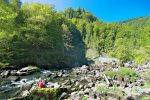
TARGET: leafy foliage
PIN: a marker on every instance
(121, 72)
(45, 37)
(127, 72)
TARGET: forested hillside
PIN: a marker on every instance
(127, 40)
(39, 35)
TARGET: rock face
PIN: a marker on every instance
(27, 70)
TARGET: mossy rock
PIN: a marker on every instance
(45, 94)
(29, 68)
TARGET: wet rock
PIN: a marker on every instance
(84, 67)
(17, 98)
(3, 88)
(34, 86)
(5, 74)
(48, 74)
(55, 75)
(14, 78)
(24, 93)
(27, 70)
(13, 72)
(60, 74)
(64, 95)
(26, 87)
(23, 90)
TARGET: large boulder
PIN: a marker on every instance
(83, 81)
(13, 72)
(14, 78)
(27, 70)
(45, 94)
(109, 62)
(23, 91)
(5, 73)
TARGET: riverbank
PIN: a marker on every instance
(93, 82)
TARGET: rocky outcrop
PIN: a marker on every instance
(24, 71)
(27, 70)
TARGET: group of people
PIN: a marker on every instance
(43, 84)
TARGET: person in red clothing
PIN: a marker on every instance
(41, 84)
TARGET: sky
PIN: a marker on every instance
(106, 10)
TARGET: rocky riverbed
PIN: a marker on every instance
(93, 82)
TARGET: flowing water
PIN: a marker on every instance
(8, 88)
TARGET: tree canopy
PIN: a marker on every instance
(37, 34)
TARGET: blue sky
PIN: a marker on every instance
(106, 10)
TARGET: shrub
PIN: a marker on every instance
(3, 65)
(110, 73)
(102, 89)
(127, 72)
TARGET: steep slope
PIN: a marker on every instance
(126, 40)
